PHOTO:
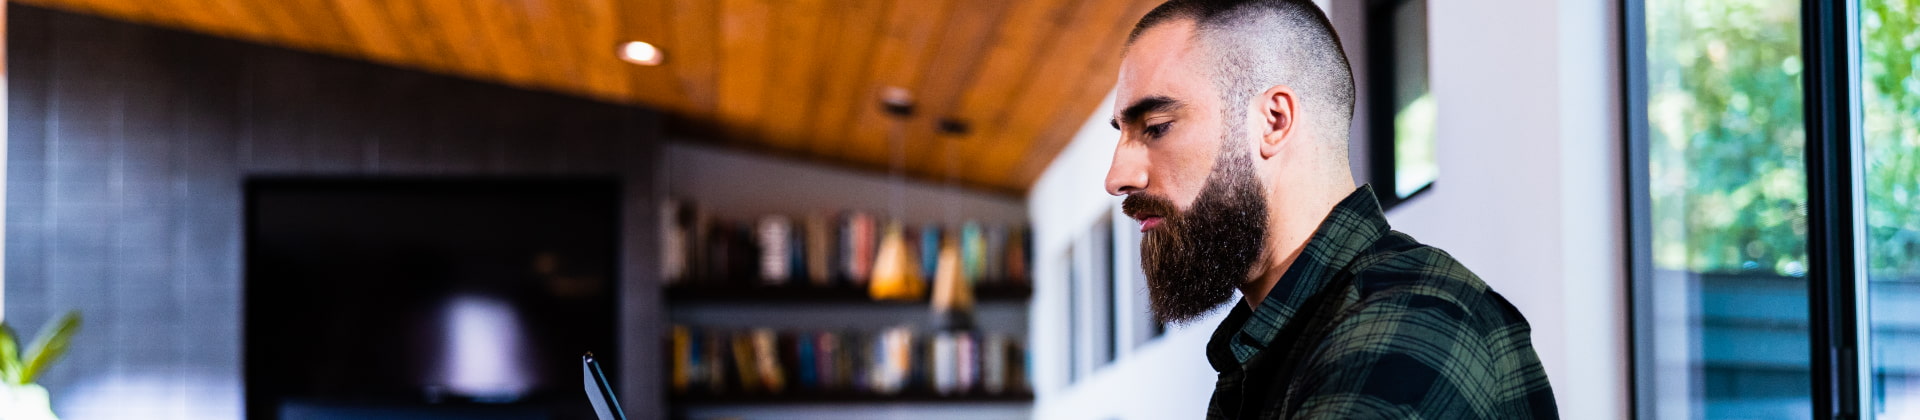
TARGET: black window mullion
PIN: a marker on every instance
(1633, 54)
(1827, 35)
(1380, 73)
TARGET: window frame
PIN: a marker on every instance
(1382, 169)
(1836, 230)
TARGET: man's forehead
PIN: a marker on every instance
(1157, 64)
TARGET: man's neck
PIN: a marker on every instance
(1287, 238)
(1256, 290)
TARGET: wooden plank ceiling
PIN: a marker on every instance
(790, 77)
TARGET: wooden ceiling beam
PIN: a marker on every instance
(900, 60)
(232, 21)
(463, 41)
(504, 35)
(154, 13)
(790, 91)
(367, 22)
(321, 24)
(1051, 85)
(746, 54)
(551, 38)
(275, 27)
(594, 36)
(1019, 43)
(654, 22)
(952, 68)
(105, 8)
(695, 57)
(843, 84)
(1074, 112)
(797, 77)
(423, 37)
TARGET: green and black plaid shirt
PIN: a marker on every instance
(1368, 324)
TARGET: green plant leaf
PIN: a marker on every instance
(49, 346)
(9, 356)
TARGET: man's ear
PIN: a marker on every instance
(1277, 107)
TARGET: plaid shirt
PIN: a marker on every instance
(1368, 324)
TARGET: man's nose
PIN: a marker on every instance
(1128, 173)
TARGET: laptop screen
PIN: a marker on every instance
(599, 392)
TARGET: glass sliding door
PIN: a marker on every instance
(1774, 195)
(1724, 301)
(1890, 118)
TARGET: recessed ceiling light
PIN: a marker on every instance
(641, 53)
(896, 100)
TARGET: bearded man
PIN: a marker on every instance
(1234, 123)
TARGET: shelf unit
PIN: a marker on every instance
(913, 397)
(705, 293)
(711, 178)
(729, 297)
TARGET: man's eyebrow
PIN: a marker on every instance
(1144, 106)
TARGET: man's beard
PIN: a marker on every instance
(1194, 260)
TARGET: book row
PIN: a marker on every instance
(847, 249)
(764, 361)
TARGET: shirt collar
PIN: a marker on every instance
(1352, 227)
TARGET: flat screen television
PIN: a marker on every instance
(427, 298)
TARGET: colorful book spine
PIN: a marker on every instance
(827, 362)
(929, 250)
(819, 250)
(1017, 262)
(894, 361)
(995, 256)
(1018, 362)
(858, 243)
(827, 250)
(967, 361)
(673, 243)
(696, 360)
(763, 361)
(743, 362)
(700, 232)
(716, 361)
(745, 260)
(766, 361)
(946, 371)
(719, 246)
(993, 368)
(682, 353)
(807, 364)
(855, 353)
(973, 253)
(797, 254)
(772, 236)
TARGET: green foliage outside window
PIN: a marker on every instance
(1891, 50)
(1727, 142)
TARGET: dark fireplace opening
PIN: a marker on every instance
(467, 298)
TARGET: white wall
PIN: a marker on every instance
(1528, 197)
(1530, 188)
(1168, 378)
(736, 185)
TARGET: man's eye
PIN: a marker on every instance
(1157, 130)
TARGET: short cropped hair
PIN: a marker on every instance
(1257, 44)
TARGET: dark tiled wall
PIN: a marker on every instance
(126, 150)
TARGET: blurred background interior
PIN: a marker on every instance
(892, 209)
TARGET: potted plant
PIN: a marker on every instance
(20, 397)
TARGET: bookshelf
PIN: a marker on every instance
(697, 294)
(912, 397)
(742, 259)
(753, 325)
